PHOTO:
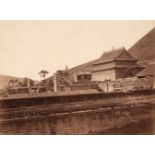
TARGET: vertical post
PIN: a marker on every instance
(55, 82)
(83, 77)
(75, 77)
(107, 84)
(28, 85)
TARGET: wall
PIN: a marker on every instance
(121, 73)
(107, 86)
(75, 114)
(104, 75)
(113, 70)
(127, 84)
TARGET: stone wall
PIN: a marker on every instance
(75, 114)
(127, 84)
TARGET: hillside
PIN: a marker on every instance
(144, 49)
(4, 79)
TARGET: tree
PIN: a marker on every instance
(50, 84)
(10, 84)
(63, 78)
(43, 73)
(13, 83)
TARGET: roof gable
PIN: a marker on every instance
(115, 54)
(124, 55)
(110, 55)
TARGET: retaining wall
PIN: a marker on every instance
(76, 114)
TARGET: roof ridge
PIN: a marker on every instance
(113, 53)
(115, 50)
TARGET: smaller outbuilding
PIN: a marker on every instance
(149, 70)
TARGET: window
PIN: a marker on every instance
(84, 77)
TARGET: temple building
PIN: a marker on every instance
(114, 65)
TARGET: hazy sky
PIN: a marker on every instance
(26, 47)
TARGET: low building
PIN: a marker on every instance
(148, 71)
(84, 76)
(82, 73)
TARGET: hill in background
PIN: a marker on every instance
(4, 80)
(144, 49)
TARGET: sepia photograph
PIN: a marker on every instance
(77, 77)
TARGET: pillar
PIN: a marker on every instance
(55, 82)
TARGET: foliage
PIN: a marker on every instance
(63, 77)
(43, 73)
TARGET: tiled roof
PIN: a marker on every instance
(110, 55)
(148, 71)
(83, 67)
(113, 55)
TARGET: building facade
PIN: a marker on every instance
(114, 65)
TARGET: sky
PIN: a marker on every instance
(26, 47)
